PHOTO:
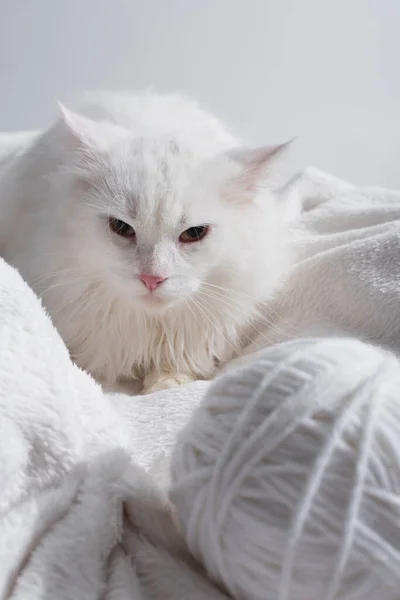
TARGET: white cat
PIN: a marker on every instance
(152, 237)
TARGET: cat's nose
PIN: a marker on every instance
(151, 281)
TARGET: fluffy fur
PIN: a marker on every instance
(162, 165)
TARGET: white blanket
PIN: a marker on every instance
(346, 280)
(68, 465)
(69, 454)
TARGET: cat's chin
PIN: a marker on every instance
(155, 303)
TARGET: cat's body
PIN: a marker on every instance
(197, 224)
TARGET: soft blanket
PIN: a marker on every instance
(78, 517)
(346, 279)
(82, 473)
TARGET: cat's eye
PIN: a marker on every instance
(194, 234)
(121, 228)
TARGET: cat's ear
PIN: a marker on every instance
(81, 132)
(251, 167)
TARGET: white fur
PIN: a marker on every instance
(162, 165)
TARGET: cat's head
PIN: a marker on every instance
(158, 223)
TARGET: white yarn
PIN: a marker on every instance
(287, 478)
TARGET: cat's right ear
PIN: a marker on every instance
(81, 132)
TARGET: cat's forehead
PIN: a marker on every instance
(156, 181)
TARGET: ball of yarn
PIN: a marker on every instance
(287, 478)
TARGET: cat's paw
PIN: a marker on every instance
(164, 381)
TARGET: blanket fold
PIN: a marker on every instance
(346, 278)
(71, 488)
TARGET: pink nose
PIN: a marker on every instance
(151, 281)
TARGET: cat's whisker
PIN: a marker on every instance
(219, 299)
(198, 305)
(88, 293)
(69, 302)
(256, 318)
(240, 293)
(63, 283)
(219, 330)
(83, 307)
(189, 307)
(56, 274)
(39, 280)
(249, 321)
(262, 318)
(244, 334)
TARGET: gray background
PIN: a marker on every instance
(326, 71)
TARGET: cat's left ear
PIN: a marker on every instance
(251, 168)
